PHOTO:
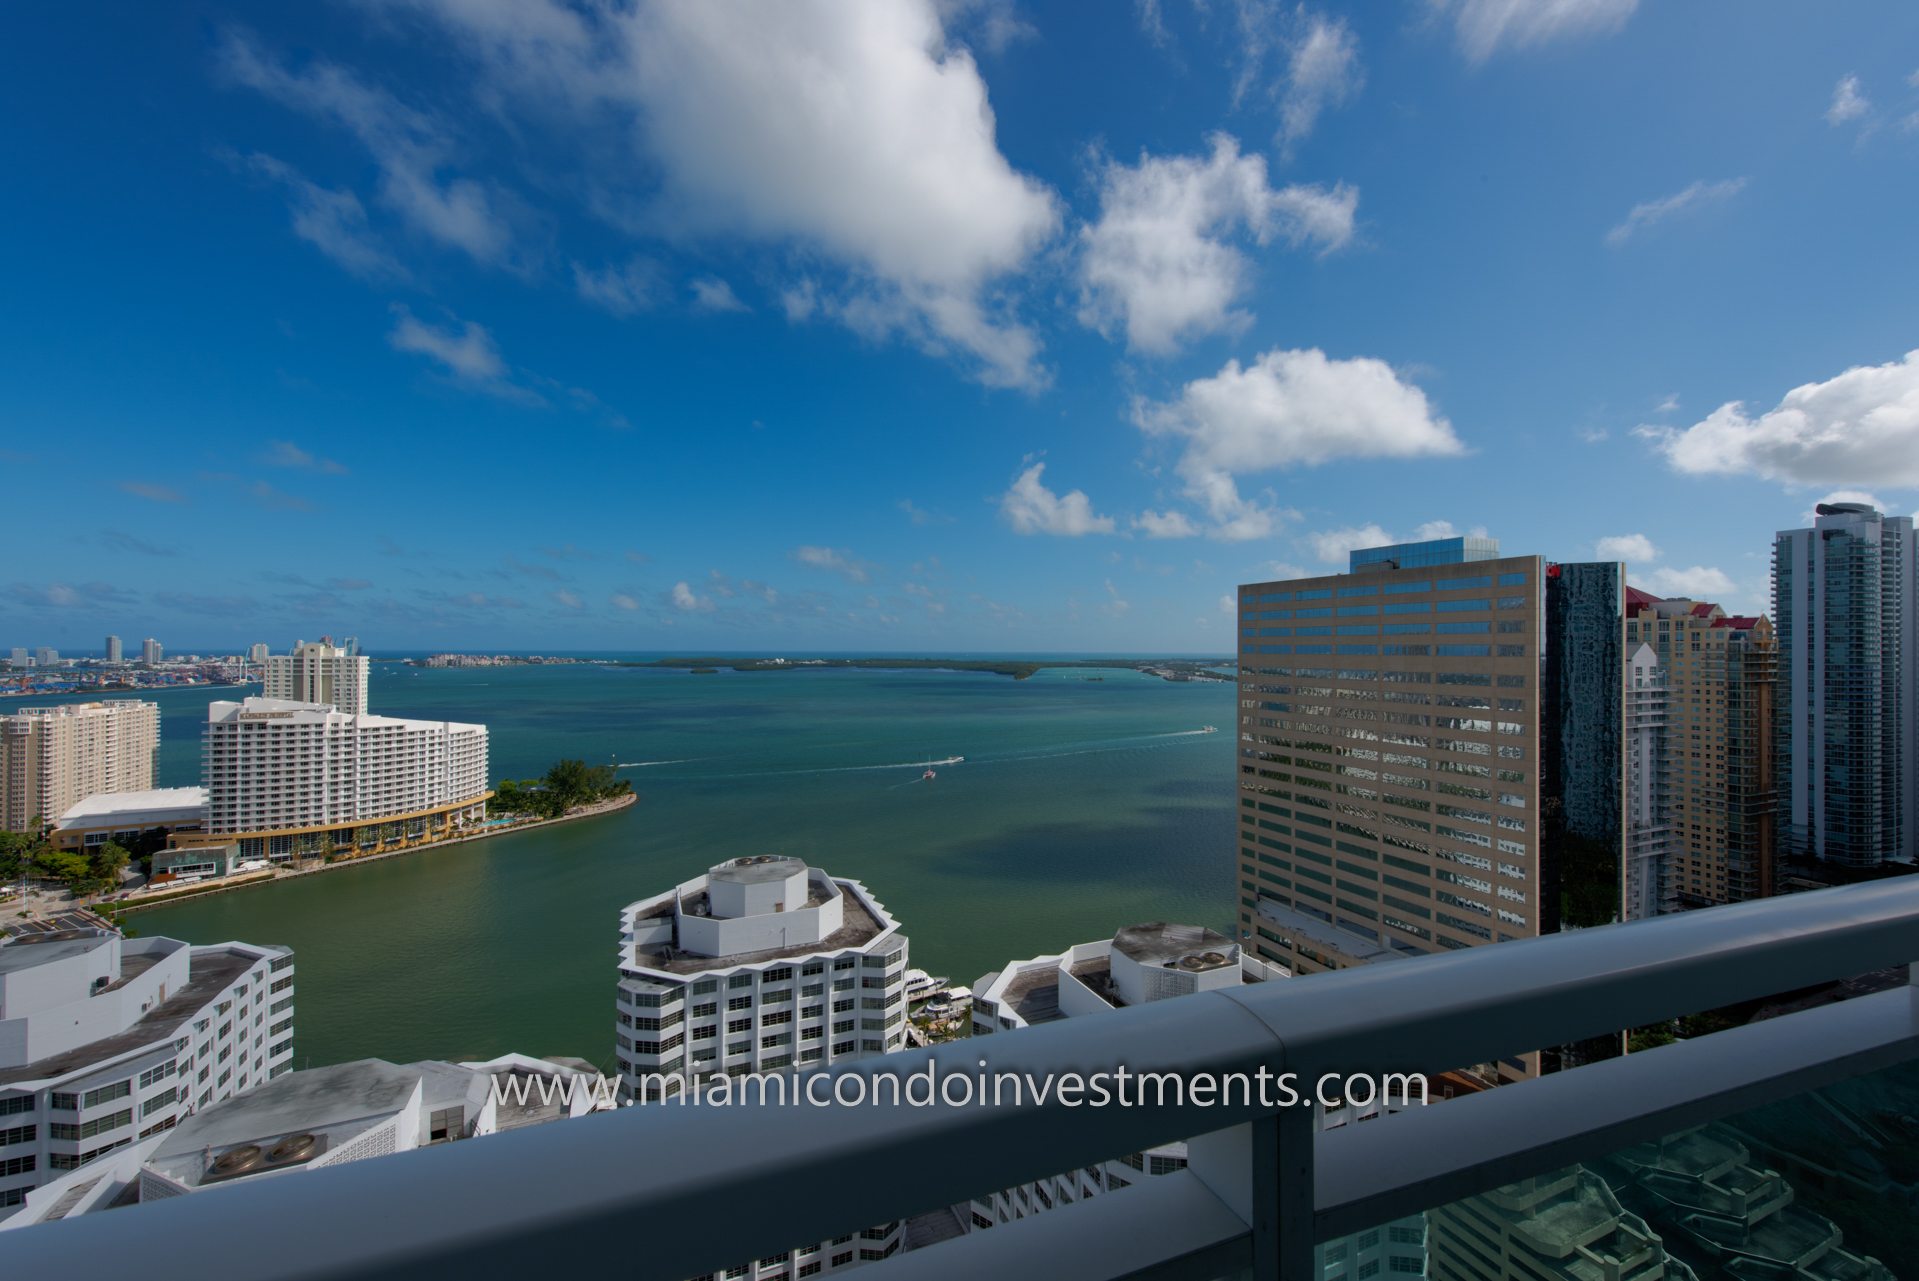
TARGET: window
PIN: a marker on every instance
(107, 1093)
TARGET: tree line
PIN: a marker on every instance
(567, 785)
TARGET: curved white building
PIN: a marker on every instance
(288, 779)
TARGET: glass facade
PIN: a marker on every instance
(1434, 551)
(1582, 738)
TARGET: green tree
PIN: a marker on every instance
(105, 863)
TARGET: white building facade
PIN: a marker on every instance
(763, 965)
(105, 1042)
(1143, 963)
(289, 779)
(318, 672)
(1648, 889)
(52, 758)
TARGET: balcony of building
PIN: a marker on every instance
(1785, 1146)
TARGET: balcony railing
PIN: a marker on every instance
(671, 1191)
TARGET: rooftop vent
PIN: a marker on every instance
(294, 1148)
(236, 1161)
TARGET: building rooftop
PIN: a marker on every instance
(1190, 947)
(860, 926)
(211, 971)
(1034, 994)
(758, 869)
(1324, 933)
(24, 952)
(170, 803)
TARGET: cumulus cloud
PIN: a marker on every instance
(1696, 196)
(1158, 264)
(1229, 605)
(1860, 427)
(1167, 524)
(1698, 582)
(1484, 27)
(852, 130)
(711, 294)
(834, 561)
(1332, 545)
(1635, 547)
(1848, 103)
(465, 350)
(1031, 508)
(1322, 70)
(1289, 409)
(685, 599)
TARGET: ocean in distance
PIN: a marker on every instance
(1083, 805)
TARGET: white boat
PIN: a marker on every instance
(1209, 729)
(919, 983)
(950, 760)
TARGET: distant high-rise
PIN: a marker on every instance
(1414, 774)
(52, 758)
(319, 672)
(46, 656)
(1718, 741)
(113, 649)
(257, 654)
(1649, 888)
(151, 652)
(19, 657)
(1844, 600)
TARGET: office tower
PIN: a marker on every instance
(321, 1118)
(46, 656)
(151, 652)
(106, 1041)
(19, 657)
(1844, 600)
(762, 965)
(318, 672)
(1414, 773)
(1648, 862)
(52, 758)
(1142, 963)
(298, 780)
(1719, 742)
(257, 654)
(113, 649)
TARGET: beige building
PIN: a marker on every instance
(1718, 784)
(318, 672)
(52, 758)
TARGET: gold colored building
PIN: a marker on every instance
(52, 758)
(1719, 785)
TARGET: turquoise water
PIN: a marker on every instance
(1082, 806)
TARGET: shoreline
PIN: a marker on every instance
(1170, 669)
(247, 881)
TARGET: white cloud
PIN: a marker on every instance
(1322, 70)
(1166, 524)
(284, 453)
(838, 562)
(1031, 508)
(1633, 547)
(1331, 545)
(687, 600)
(334, 222)
(921, 515)
(1593, 435)
(465, 350)
(623, 601)
(409, 146)
(1860, 427)
(1229, 605)
(1289, 408)
(1435, 529)
(1279, 570)
(1847, 102)
(1158, 264)
(625, 289)
(1699, 582)
(566, 599)
(853, 130)
(1668, 405)
(1483, 27)
(712, 294)
(1696, 196)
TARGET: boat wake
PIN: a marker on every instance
(684, 760)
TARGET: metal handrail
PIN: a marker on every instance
(672, 1191)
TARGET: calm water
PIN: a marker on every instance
(1082, 806)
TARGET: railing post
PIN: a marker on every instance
(1263, 1172)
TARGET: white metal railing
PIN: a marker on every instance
(671, 1192)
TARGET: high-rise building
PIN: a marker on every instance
(1568, 1224)
(106, 1041)
(1717, 785)
(296, 780)
(319, 672)
(46, 656)
(113, 649)
(19, 657)
(152, 651)
(1143, 963)
(762, 965)
(1414, 772)
(52, 758)
(1648, 856)
(1844, 599)
(257, 654)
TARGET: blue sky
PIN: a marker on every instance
(916, 325)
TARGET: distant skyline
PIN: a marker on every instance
(927, 325)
